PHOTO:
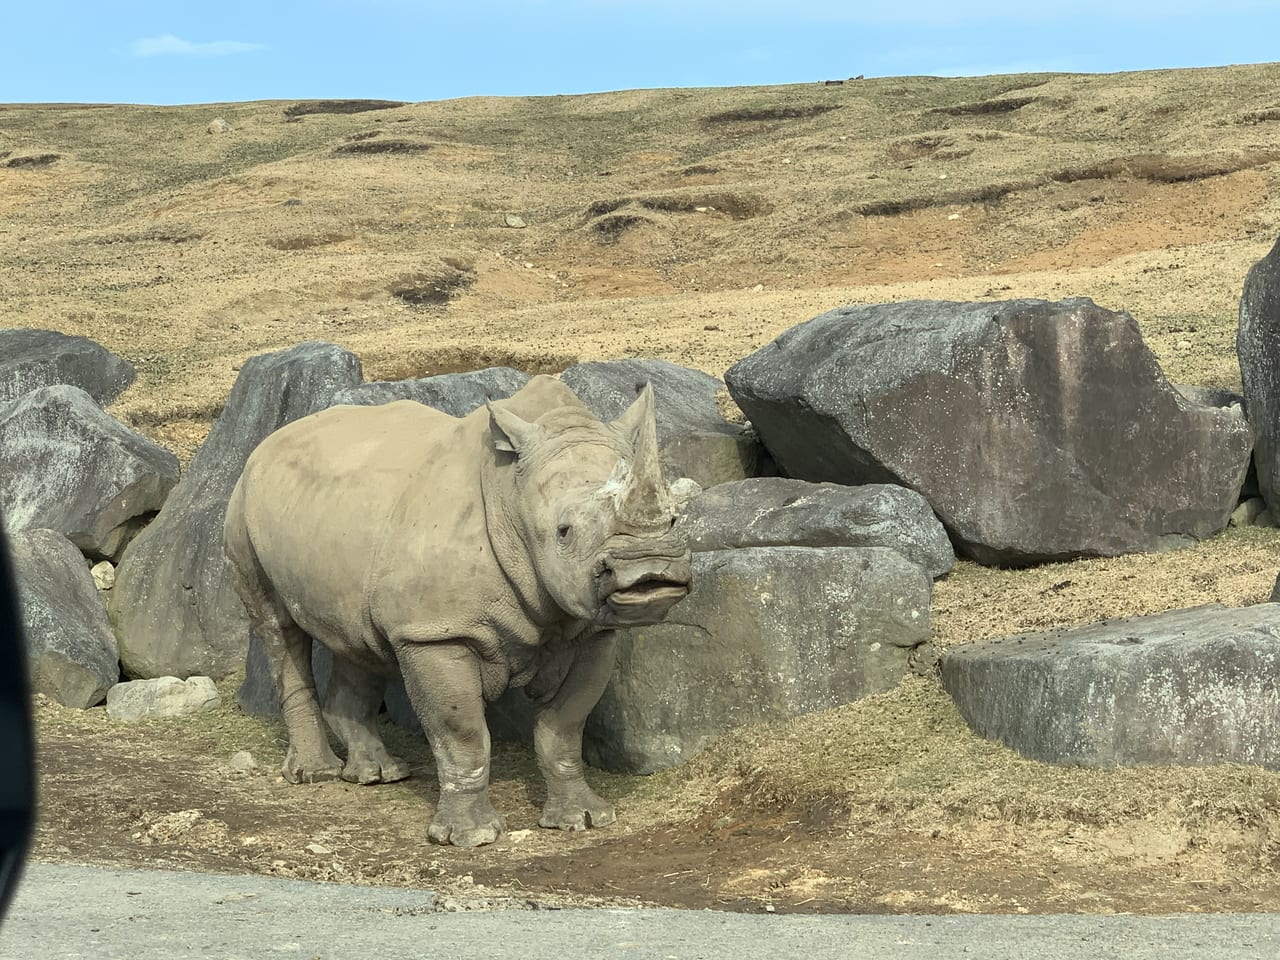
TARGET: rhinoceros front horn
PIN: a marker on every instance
(645, 500)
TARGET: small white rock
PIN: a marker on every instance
(104, 575)
(514, 221)
(954, 216)
(319, 849)
(758, 288)
(163, 697)
(218, 126)
(242, 762)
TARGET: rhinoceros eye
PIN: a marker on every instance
(563, 531)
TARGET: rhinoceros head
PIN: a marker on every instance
(595, 513)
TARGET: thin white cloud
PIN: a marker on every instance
(169, 45)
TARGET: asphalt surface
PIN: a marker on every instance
(101, 913)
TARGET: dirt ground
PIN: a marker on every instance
(692, 225)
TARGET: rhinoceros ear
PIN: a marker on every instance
(511, 433)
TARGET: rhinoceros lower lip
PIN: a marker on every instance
(647, 592)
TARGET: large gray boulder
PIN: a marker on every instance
(30, 359)
(767, 633)
(773, 511)
(1190, 686)
(174, 610)
(67, 466)
(71, 650)
(1037, 431)
(694, 440)
(456, 394)
(1258, 350)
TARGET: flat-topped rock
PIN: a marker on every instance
(774, 511)
(767, 633)
(1193, 686)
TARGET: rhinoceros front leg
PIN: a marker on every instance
(443, 682)
(557, 739)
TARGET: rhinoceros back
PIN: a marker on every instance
(329, 501)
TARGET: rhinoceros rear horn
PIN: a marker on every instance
(511, 433)
(645, 500)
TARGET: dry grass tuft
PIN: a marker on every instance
(909, 756)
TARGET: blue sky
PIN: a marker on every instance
(219, 50)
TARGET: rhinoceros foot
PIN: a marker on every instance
(576, 808)
(368, 770)
(301, 768)
(465, 820)
(369, 762)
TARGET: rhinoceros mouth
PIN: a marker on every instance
(648, 592)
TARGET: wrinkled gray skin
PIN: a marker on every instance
(470, 555)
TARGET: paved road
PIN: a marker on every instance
(102, 914)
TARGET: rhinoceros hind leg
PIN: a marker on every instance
(351, 708)
(309, 758)
(288, 648)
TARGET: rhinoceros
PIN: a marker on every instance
(471, 555)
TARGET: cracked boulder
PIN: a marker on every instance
(767, 633)
(774, 512)
(173, 607)
(71, 651)
(66, 465)
(694, 440)
(1193, 686)
(30, 359)
(1036, 430)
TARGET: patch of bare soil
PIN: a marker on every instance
(166, 795)
(695, 226)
